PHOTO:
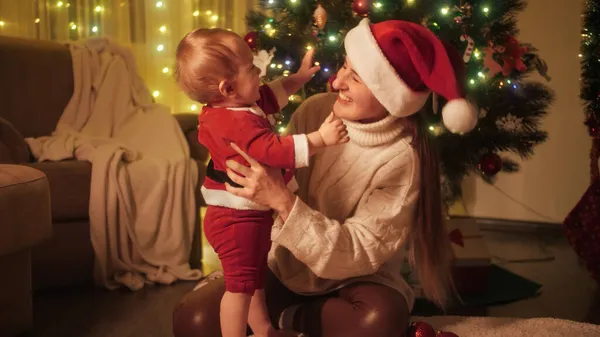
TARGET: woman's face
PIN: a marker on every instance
(355, 101)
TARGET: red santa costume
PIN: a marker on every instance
(238, 229)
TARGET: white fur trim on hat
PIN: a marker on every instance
(379, 75)
(459, 116)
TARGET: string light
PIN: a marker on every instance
(156, 93)
(193, 107)
(165, 70)
(98, 9)
(159, 4)
(163, 29)
(37, 20)
(60, 4)
(160, 47)
(445, 10)
(196, 13)
(95, 29)
(2, 23)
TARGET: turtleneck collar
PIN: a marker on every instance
(376, 133)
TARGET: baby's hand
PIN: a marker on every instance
(333, 131)
(307, 70)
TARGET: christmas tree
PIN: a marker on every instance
(590, 78)
(484, 32)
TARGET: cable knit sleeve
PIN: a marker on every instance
(362, 243)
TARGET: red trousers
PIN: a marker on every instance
(242, 239)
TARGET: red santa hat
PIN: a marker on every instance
(402, 62)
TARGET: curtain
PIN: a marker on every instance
(151, 28)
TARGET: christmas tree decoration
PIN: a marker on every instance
(512, 56)
(420, 329)
(320, 16)
(252, 40)
(490, 164)
(362, 7)
(483, 34)
(470, 47)
(510, 123)
(262, 59)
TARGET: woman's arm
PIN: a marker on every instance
(360, 244)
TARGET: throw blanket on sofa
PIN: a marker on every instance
(510, 327)
(143, 185)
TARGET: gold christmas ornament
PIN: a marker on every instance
(320, 16)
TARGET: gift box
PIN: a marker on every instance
(472, 259)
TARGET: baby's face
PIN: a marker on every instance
(247, 82)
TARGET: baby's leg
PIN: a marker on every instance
(234, 314)
(258, 318)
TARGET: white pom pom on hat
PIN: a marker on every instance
(401, 63)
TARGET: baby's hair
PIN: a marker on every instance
(203, 59)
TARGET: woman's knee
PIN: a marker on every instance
(197, 315)
(381, 311)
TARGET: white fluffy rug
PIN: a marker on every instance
(510, 327)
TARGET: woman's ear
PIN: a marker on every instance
(226, 89)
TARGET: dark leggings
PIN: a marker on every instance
(361, 309)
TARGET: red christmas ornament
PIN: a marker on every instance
(446, 334)
(420, 329)
(252, 40)
(362, 7)
(330, 87)
(490, 164)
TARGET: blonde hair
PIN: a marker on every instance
(203, 60)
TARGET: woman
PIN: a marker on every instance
(338, 245)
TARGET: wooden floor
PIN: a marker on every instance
(568, 292)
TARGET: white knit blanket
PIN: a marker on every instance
(143, 180)
(510, 327)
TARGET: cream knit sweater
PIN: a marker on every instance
(354, 209)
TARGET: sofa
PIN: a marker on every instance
(25, 222)
(36, 83)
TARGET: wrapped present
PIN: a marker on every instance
(472, 259)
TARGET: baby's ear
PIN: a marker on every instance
(226, 89)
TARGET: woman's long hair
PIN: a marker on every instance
(430, 250)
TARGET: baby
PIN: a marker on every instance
(214, 66)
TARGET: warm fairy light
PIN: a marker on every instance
(2, 23)
(60, 4)
(156, 93)
(196, 13)
(37, 20)
(214, 17)
(159, 4)
(160, 47)
(445, 10)
(193, 107)
(165, 70)
(95, 29)
(163, 28)
(98, 9)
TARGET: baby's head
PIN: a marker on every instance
(214, 66)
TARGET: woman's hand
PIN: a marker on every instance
(261, 184)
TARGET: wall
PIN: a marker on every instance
(551, 182)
